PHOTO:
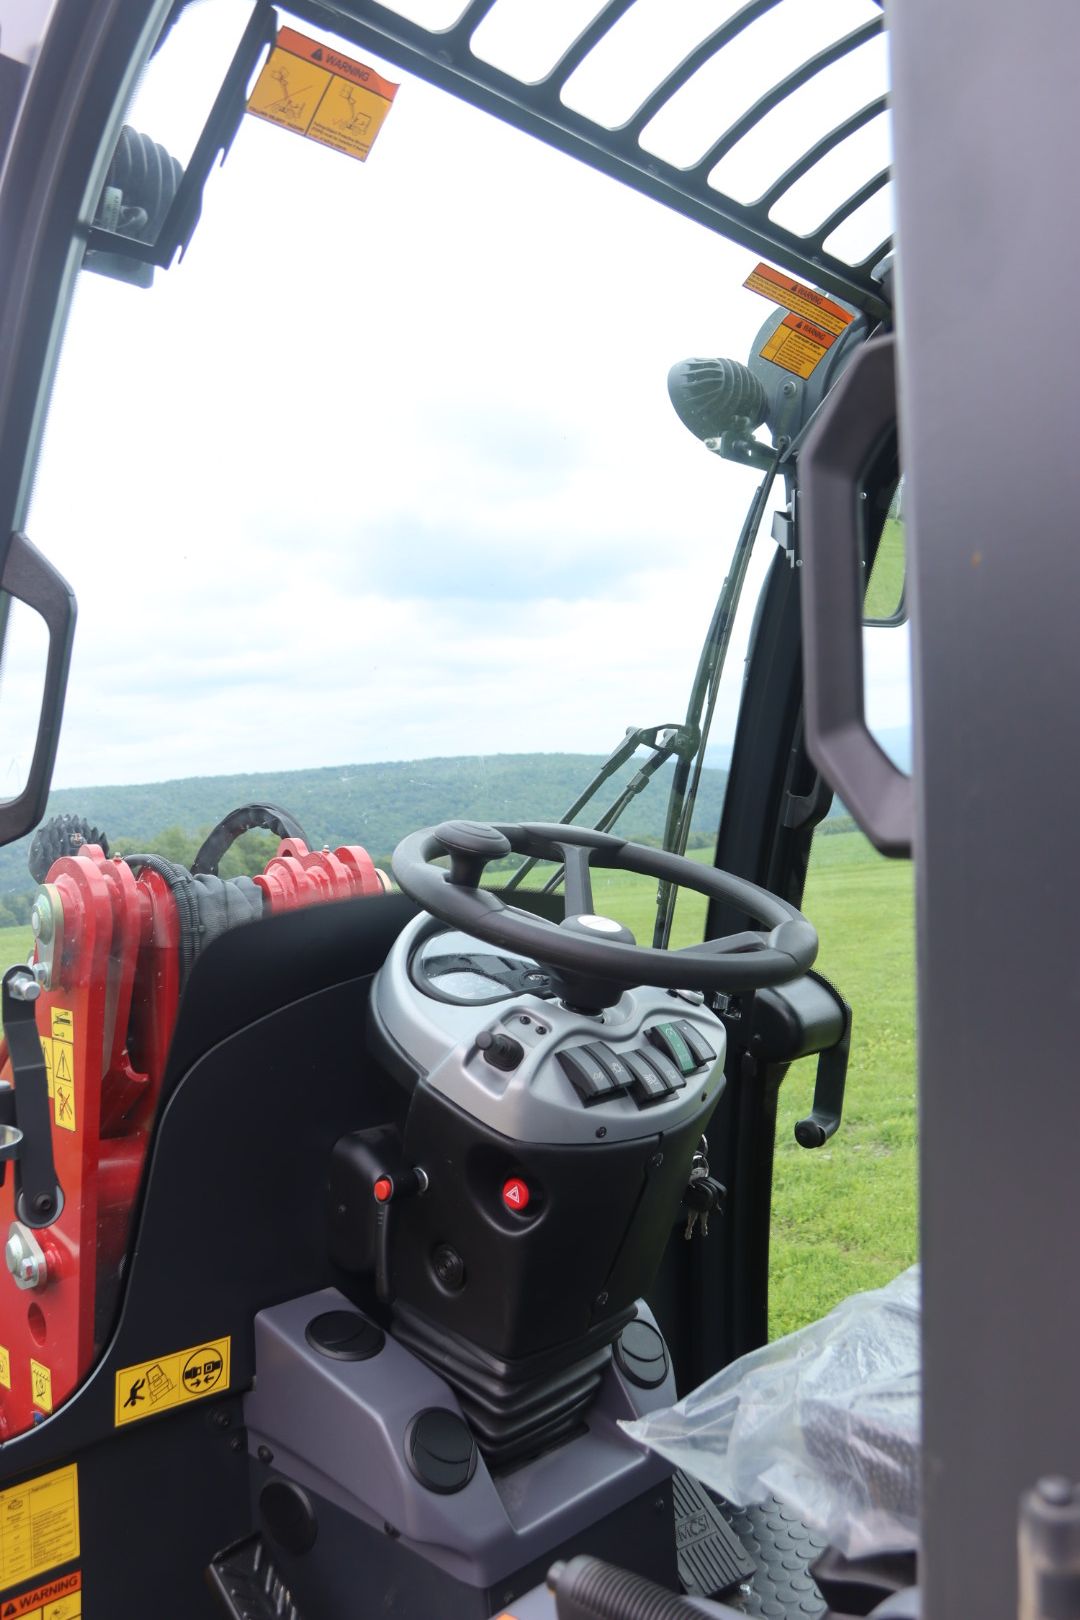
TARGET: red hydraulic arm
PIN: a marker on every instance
(108, 959)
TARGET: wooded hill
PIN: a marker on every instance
(373, 805)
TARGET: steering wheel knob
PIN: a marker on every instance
(471, 845)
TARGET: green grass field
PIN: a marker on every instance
(15, 946)
(844, 1215)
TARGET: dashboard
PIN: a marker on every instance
(485, 1030)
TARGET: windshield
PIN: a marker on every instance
(379, 488)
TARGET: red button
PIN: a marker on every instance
(516, 1195)
(383, 1189)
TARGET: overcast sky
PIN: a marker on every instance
(386, 468)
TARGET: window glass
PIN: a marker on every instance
(844, 1215)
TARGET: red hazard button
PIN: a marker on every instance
(516, 1195)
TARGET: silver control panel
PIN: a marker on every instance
(529, 1067)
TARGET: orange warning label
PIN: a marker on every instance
(315, 91)
(56, 1600)
(799, 298)
(797, 345)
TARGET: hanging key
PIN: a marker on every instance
(702, 1196)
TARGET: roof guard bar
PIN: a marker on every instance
(820, 149)
(589, 37)
(701, 53)
(772, 98)
(467, 23)
(856, 200)
(873, 259)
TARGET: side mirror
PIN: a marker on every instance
(885, 602)
(29, 579)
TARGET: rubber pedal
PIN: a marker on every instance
(711, 1558)
(248, 1586)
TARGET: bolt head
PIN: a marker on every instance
(41, 918)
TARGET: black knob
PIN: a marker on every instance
(501, 1051)
(471, 845)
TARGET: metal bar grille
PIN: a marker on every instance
(780, 92)
(849, 205)
(445, 59)
(696, 59)
(820, 149)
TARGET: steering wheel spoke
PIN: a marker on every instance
(577, 882)
(750, 939)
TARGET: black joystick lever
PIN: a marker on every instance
(471, 845)
(501, 1051)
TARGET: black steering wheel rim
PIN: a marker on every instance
(751, 960)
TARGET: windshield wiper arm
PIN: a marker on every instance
(662, 740)
(703, 696)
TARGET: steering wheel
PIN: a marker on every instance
(593, 959)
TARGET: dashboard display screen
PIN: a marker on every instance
(452, 966)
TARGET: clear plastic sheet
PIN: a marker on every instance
(826, 1419)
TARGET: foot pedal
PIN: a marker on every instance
(248, 1585)
(711, 1558)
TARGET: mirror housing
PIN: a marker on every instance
(29, 578)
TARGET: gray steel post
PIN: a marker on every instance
(987, 132)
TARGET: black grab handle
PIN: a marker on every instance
(853, 422)
(30, 578)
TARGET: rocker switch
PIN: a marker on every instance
(590, 1079)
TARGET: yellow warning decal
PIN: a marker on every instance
(797, 345)
(5, 1368)
(47, 1054)
(315, 91)
(63, 1024)
(39, 1528)
(41, 1385)
(158, 1386)
(64, 1091)
(799, 298)
(56, 1600)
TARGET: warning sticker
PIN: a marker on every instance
(799, 298)
(47, 1054)
(63, 1102)
(5, 1368)
(63, 1024)
(158, 1386)
(41, 1385)
(798, 345)
(315, 91)
(56, 1600)
(39, 1528)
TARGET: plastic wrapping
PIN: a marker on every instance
(826, 1419)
